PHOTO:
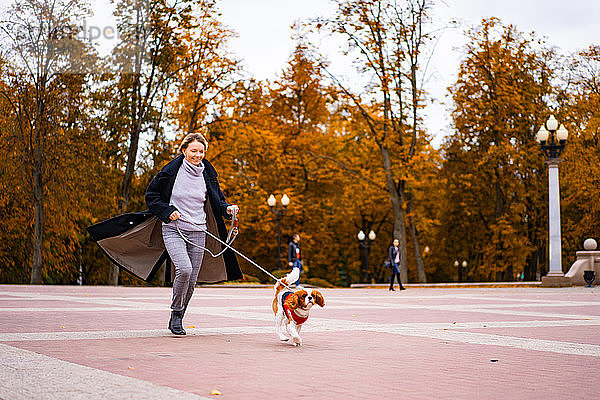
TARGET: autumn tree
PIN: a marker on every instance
(265, 145)
(363, 202)
(387, 38)
(42, 91)
(15, 253)
(580, 187)
(302, 108)
(162, 43)
(494, 214)
(145, 58)
(202, 89)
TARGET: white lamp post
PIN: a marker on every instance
(552, 139)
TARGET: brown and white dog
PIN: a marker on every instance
(291, 308)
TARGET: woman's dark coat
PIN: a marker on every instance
(134, 241)
(393, 252)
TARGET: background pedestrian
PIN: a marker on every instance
(394, 255)
(294, 255)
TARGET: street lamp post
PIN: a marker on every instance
(457, 266)
(460, 267)
(366, 243)
(278, 211)
(552, 139)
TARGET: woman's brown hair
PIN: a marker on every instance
(192, 137)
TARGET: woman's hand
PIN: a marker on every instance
(175, 215)
(231, 208)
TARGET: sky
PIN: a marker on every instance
(264, 36)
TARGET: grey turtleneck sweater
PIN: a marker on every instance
(189, 195)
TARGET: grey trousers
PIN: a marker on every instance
(187, 260)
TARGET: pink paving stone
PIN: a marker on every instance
(573, 334)
(396, 316)
(359, 365)
(44, 304)
(330, 364)
(577, 310)
(112, 320)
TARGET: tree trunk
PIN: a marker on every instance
(129, 169)
(400, 234)
(397, 205)
(415, 241)
(38, 195)
(38, 233)
(134, 139)
(126, 189)
(414, 41)
(113, 277)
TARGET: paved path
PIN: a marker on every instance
(60, 342)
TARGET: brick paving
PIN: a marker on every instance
(72, 342)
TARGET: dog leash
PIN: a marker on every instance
(231, 235)
(230, 238)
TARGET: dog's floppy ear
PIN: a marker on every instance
(318, 298)
(292, 301)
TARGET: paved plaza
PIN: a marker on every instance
(82, 342)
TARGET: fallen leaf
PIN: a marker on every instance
(130, 367)
(215, 392)
(190, 326)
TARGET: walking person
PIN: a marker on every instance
(187, 198)
(295, 256)
(394, 255)
(185, 194)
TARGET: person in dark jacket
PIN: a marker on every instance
(186, 196)
(394, 254)
(294, 255)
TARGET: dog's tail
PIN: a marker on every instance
(289, 279)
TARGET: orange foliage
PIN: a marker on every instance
(494, 212)
(338, 156)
